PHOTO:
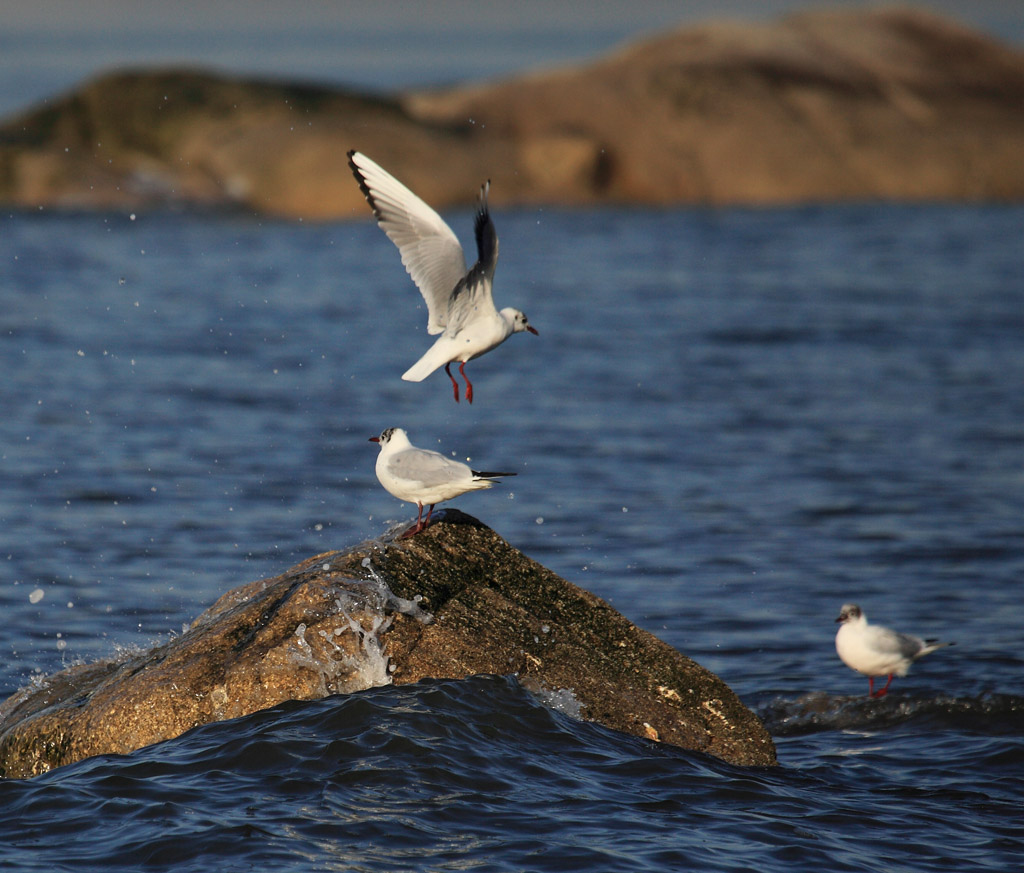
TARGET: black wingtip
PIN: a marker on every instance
(361, 180)
(482, 210)
(486, 475)
(486, 235)
(352, 164)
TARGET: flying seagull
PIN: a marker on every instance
(459, 302)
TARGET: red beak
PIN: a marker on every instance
(532, 329)
(374, 440)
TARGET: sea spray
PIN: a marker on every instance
(351, 655)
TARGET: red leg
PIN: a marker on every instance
(881, 692)
(469, 385)
(416, 528)
(421, 522)
(885, 690)
(455, 385)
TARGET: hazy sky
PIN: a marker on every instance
(49, 46)
(197, 15)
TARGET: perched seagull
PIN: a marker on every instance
(459, 303)
(877, 651)
(421, 476)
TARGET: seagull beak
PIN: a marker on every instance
(374, 440)
(839, 619)
(532, 329)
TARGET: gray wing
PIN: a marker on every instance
(472, 298)
(473, 294)
(891, 642)
(428, 468)
(430, 250)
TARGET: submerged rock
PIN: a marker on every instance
(851, 104)
(454, 601)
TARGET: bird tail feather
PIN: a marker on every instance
(931, 645)
(426, 365)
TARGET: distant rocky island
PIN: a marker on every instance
(840, 105)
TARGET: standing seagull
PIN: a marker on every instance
(877, 651)
(459, 303)
(421, 476)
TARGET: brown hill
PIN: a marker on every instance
(883, 104)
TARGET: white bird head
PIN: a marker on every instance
(518, 320)
(393, 436)
(849, 612)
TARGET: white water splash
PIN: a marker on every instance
(400, 604)
(341, 666)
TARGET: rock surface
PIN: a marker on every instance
(861, 104)
(454, 601)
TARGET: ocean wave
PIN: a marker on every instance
(989, 713)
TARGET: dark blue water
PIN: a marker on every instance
(731, 423)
